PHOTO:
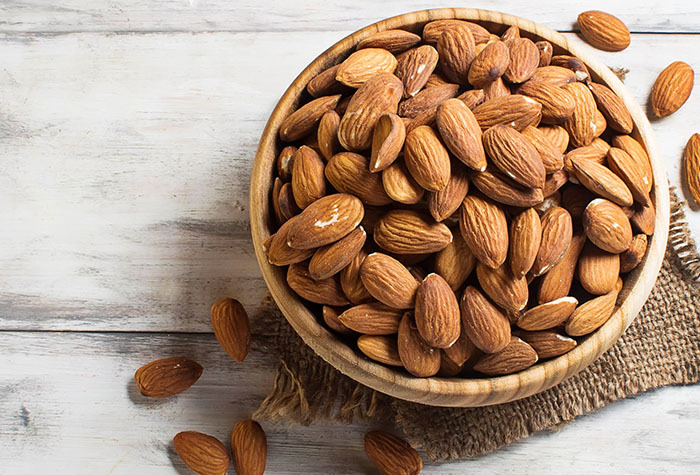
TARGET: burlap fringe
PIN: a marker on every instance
(680, 240)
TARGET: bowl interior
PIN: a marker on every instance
(451, 391)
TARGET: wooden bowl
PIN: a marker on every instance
(452, 391)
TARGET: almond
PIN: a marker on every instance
(445, 202)
(427, 99)
(351, 282)
(308, 182)
(378, 96)
(548, 343)
(417, 356)
(279, 253)
(601, 181)
(448, 368)
(485, 230)
(285, 160)
(554, 75)
(557, 135)
(556, 283)
(460, 352)
(496, 89)
(324, 292)
(276, 188)
(485, 325)
(391, 454)
(632, 257)
(489, 64)
(415, 67)
(506, 290)
(394, 41)
(554, 182)
(203, 453)
(635, 150)
(691, 167)
(506, 191)
(514, 155)
(557, 232)
(327, 134)
(607, 226)
(672, 88)
(591, 315)
(437, 312)
(436, 79)
(361, 65)
(325, 221)
(603, 30)
(644, 219)
(581, 125)
(349, 172)
(547, 315)
(231, 327)
(525, 238)
(598, 270)
(427, 159)
(546, 50)
(574, 64)
(285, 202)
(302, 121)
(433, 30)
(511, 34)
(627, 168)
(400, 185)
(372, 319)
(324, 84)
(461, 133)
(612, 108)
(515, 357)
(167, 376)
(455, 262)
(330, 316)
(456, 49)
(387, 142)
(472, 98)
(589, 152)
(524, 59)
(516, 111)
(388, 281)
(331, 259)
(599, 124)
(557, 104)
(381, 348)
(552, 158)
(249, 446)
(409, 232)
(427, 117)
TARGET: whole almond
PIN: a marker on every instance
(445, 202)
(349, 172)
(644, 219)
(167, 376)
(372, 319)
(514, 155)
(547, 315)
(455, 262)
(589, 152)
(325, 221)
(603, 30)
(632, 257)
(388, 281)
(552, 158)
(607, 226)
(433, 30)
(231, 327)
(457, 51)
(672, 88)
(387, 142)
(285, 161)
(635, 150)
(691, 167)
(557, 232)
(485, 325)
(279, 253)
(427, 159)
(485, 230)
(276, 188)
(554, 182)
(203, 453)
(591, 315)
(557, 135)
(392, 455)
(324, 84)
(546, 50)
(286, 203)
(436, 79)
(581, 125)
(461, 133)
(625, 167)
(361, 65)
(437, 312)
(516, 356)
(415, 67)
(394, 41)
(448, 368)
(599, 124)
(351, 282)
(503, 190)
(249, 446)
(573, 63)
(525, 238)
(302, 121)
(506, 290)
(427, 117)
(472, 98)
(612, 107)
(324, 292)
(556, 283)
(378, 96)
(598, 270)
(330, 317)
(419, 358)
(495, 89)
(308, 182)
(410, 232)
(557, 104)
(381, 348)
(511, 34)
(427, 99)
(331, 259)
(327, 134)
(547, 343)
(524, 59)
(601, 181)
(515, 111)
(400, 185)
(553, 75)
(490, 64)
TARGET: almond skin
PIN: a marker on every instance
(548, 343)
(392, 455)
(691, 167)
(381, 348)
(612, 108)
(427, 99)
(496, 89)
(456, 49)
(433, 30)
(507, 291)
(461, 133)
(427, 159)
(598, 270)
(552, 158)
(324, 292)
(442, 204)
(351, 282)
(285, 202)
(581, 125)
(324, 84)
(591, 315)
(327, 134)
(557, 135)
(601, 181)
(325, 221)
(249, 446)
(547, 315)
(394, 41)
(167, 376)
(556, 283)
(524, 59)
(302, 121)
(349, 172)
(231, 327)
(331, 259)
(557, 104)
(672, 88)
(485, 325)
(603, 30)
(437, 312)
(554, 75)
(515, 111)
(455, 262)
(202, 453)
(574, 64)
(415, 67)
(361, 65)
(285, 161)
(516, 356)
(625, 167)
(308, 182)
(489, 65)
(525, 238)
(472, 98)
(400, 185)
(644, 219)
(417, 356)
(635, 150)
(503, 190)
(388, 281)
(279, 253)
(557, 232)
(485, 230)
(330, 317)
(387, 142)
(632, 257)
(607, 226)
(546, 50)
(409, 232)
(372, 319)
(514, 155)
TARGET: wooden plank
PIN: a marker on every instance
(126, 161)
(68, 404)
(23, 16)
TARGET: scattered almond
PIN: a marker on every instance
(231, 327)
(167, 377)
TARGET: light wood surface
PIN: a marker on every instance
(456, 392)
(126, 141)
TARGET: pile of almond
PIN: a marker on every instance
(460, 203)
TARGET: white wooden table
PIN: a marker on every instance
(127, 133)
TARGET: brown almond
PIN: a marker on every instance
(403, 231)
(672, 88)
(485, 230)
(285, 161)
(524, 60)
(457, 51)
(437, 312)
(388, 281)
(308, 182)
(581, 125)
(349, 172)
(400, 185)
(372, 319)
(285, 202)
(511, 34)
(381, 348)
(517, 356)
(599, 124)
(625, 167)
(324, 292)
(557, 232)
(547, 315)
(554, 75)
(632, 257)
(415, 67)
(601, 181)
(591, 315)
(547, 343)
(557, 104)
(249, 446)
(351, 282)
(203, 453)
(427, 117)
(394, 41)
(603, 30)
(573, 63)
(330, 316)
(279, 253)
(361, 65)
(387, 142)
(505, 191)
(427, 99)
(461, 133)
(598, 270)
(557, 135)
(427, 159)
(612, 108)
(556, 283)
(644, 219)
(327, 134)
(691, 167)
(331, 259)
(552, 158)
(325, 221)
(589, 152)
(433, 30)
(485, 325)
(436, 79)
(472, 98)
(324, 84)
(276, 188)
(514, 155)
(419, 358)
(506, 290)
(392, 455)
(635, 150)
(490, 64)
(607, 226)
(455, 262)
(495, 89)
(229, 321)
(167, 376)
(554, 182)
(302, 121)
(445, 202)
(525, 238)
(546, 50)
(516, 111)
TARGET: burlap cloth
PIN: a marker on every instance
(660, 348)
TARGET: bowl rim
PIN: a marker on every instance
(438, 391)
